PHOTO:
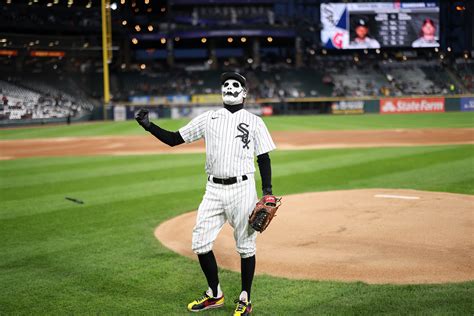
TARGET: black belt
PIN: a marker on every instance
(226, 181)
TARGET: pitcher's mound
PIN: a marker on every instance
(375, 236)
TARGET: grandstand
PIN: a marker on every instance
(51, 62)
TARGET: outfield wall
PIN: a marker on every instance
(191, 107)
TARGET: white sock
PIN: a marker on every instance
(219, 292)
(244, 297)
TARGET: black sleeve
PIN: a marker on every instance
(167, 137)
(264, 165)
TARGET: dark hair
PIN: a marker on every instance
(426, 21)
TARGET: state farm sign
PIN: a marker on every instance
(411, 105)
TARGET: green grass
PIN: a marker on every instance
(58, 257)
(281, 123)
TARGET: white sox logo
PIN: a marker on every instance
(242, 127)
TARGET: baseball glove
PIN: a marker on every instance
(264, 212)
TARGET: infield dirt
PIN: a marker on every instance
(147, 144)
(373, 235)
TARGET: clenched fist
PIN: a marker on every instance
(142, 118)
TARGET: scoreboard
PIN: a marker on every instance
(374, 25)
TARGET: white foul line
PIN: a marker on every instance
(403, 197)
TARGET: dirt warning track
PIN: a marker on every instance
(147, 144)
(374, 235)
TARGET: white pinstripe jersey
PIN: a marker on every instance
(232, 140)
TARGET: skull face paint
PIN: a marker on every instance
(232, 92)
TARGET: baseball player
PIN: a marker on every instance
(428, 35)
(233, 137)
(362, 39)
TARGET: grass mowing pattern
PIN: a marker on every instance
(276, 123)
(101, 257)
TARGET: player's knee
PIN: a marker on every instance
(201, 249)
(247, 254)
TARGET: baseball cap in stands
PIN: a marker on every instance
(235, 76)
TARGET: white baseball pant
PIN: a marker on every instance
(233, 203)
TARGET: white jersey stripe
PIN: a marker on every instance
(232, 140)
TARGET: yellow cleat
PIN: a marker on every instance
(243, 308)
(205, 302)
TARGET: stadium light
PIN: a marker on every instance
(124, 22)
(138, 28)
(324, 52)
(176, 39)
(163, 9)
(249, 60)
(122, 2)
(150, 28)
(243, 39)
(163, 40)
(449, 49)
(142, 66)
(147, 1)
(113, 6)
(436, 49)
(147, 10)
(134, 41)
(466, 55)
(3, 40)
(203, 40)
(230, 39)
(89, 5)
(377, 51)
(269, 39)
(49, 4)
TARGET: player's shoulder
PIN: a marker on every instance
(251, 117)
(206, 114)
(250, 114)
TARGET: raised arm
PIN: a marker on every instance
(167, 137)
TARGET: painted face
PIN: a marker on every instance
(232, 92)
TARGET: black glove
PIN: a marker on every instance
(142, 118)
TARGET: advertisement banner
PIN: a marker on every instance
(411, 105)
(178, 99)
(120, 113)
(207, 98)
(140, 99)
(347, 107)
(467, 104)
